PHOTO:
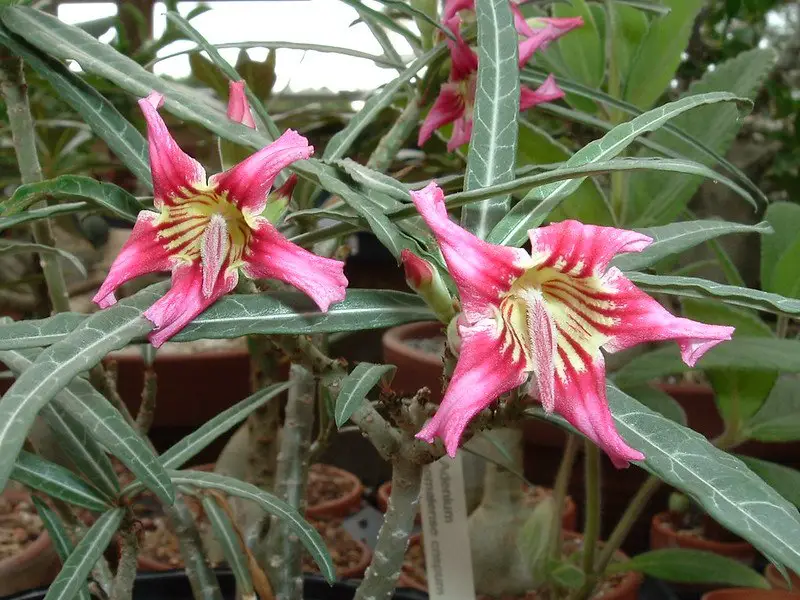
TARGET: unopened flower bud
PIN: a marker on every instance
(453, 336)
(423, 278)
(238, 106)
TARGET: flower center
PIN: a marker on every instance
(205, 225)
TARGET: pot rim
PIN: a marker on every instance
(712, 545)
(749, 594)
(338, 506)
(394, 337)
(173, 357)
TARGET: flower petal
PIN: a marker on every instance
(448, 107)
(580, 250)
(452, 7)
(462, 132)
(642, 319)
(214, 247)
(249, 182)
(270, 255)
(238, 106)
(490, 364)
(143, 253)
(172, 169)
(547, 92)
(483, 272)
(185, 300)
(581, 400)
(464, 61)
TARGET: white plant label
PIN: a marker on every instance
(448, 559)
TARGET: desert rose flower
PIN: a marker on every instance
(238, 106)
(548, 314)
(206, 231)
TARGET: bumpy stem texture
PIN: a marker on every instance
(15, 93)
(283, 549)
(126, 571)
(382, 574)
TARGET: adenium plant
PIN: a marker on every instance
(528, 329)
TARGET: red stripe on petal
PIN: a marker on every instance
(486, 369)
(143, 253)
(270, 255)
(248, 183)
(173, 170)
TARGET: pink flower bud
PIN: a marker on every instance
(238, 106)
(418, 271)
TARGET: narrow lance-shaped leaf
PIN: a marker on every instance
(45, 212)
(307, 535)
(693, 287)
(54, 368)
(77, 567)
(227, 537)
(675, 238)
(355, 388)
(107, 196)
(196, 441)
(535, 207)
(493, 145)
(107, 426)
(785, 480)
(17, 247)
(60, 538)
(56, 482)
(124, 140)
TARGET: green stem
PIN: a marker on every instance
(15, 93)
(591, 529)
(283, 551)
(782, 326)
(126, 571)
(560, 493)
(147, 408)
(637, 504)
(389, 145)
(381, 576)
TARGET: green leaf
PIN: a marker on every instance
(693, 287)
(356, 386)
(568, 576)
(786, 275)
(104, 195)
(38, 332)
(17, 247)
(692, 566)
(785, 220)
(340, 143)
(45, 212)
(89, 550)
(658, 401)
(189, 446)
(294, 313)
(646, 5)
(657, 200)
(83, 451)
(737, 394)
(630, 28)
(371, 14)
(785, 480)
(57, 366)
(493, 145)
(720, 483)
(779, 417)
(536, 205)
(659, 54)
(587, 204)
(672, 239)
(122, 138)
(226, 535)
(105, 424)
(60, 538)
(56, 482)
(307, 535)
(582, 51)
(278, 313)
(745, 353)
(208, 73)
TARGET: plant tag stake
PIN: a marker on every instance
(448, 560)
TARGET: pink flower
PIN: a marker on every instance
(539, 32)
(548, 314)
(206, 231)
(547, 92)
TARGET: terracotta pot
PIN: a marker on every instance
(192, 388)
(662, 535)
(37, 564)
(627, 589)
(342, 506)
(777, 581)
(415, 369)
(357, 571)
(569, 518)
(750, 594)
